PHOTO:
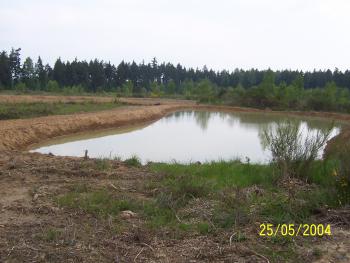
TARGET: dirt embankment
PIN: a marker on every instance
(51, 99)
(19, 134)
(80, 99)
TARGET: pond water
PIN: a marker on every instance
(187, 136)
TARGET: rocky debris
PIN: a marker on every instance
(127, 214)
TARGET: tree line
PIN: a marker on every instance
(319, 90)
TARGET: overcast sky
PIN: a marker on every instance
(222, 34)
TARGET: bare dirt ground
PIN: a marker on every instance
(34, 228)
(31, 182)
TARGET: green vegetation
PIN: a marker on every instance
(340, 154)
(102, 164)
(217, 175)
(221, 195)
(214, 198)
(238, 194)
(37, 109)
(292, 153)
(288, 89)
(100, 202)
(133, 161)
(51, 234)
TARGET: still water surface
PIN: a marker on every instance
(187, 136)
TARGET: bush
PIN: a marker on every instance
(292, 151)
(21, 87)
(341, 153)
(52, 86)
(133, 161)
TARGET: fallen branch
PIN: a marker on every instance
(113, 186)
(138, 254)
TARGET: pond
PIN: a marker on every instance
(187, 136)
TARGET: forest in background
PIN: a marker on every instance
(319, 90)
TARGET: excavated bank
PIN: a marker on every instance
(19, 134)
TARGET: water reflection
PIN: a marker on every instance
(183, 136)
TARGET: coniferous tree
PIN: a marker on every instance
(41, 74)
(15, 65)
(59, 72)
(28, 73)
(5, 71)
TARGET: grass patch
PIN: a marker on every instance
(134, 161)
(102, 164)
(37, 109)
(322, 172)
(51, 235)
(277, 207)
(204, 228)
(100, 203)
(242, 193)
(159, 216)
(220, 174)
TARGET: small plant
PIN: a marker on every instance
(341, 153)
(179, 190)
(51, 234)
(102, 164)
(133, 161)
(204, 228)
(96, 202)
(238, 237)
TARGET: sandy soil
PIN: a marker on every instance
(31, 182)
(17, 134)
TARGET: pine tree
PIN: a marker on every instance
(15, 65)
(59, 72)
(5, 71)
(28, 73)
(41, 74)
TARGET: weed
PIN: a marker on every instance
(102, 164)
(239, 237)
(158, 216)
(220, 174)
(96, 202)
(51, 235)
(133, 161)
(204, 228)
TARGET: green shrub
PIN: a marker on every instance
(292, 151)
(340, 152)
(133, 161)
